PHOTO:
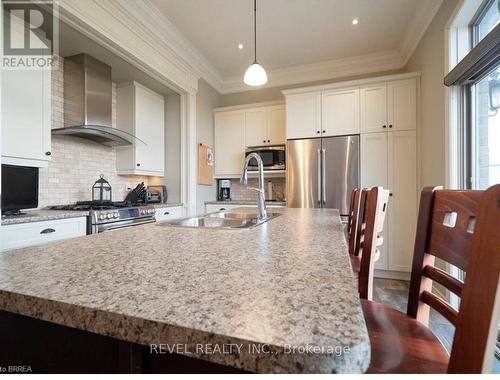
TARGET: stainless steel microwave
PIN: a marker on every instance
(273, 157)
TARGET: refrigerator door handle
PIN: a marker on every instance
(323, 176)
(319, 177)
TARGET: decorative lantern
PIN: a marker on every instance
(101, 191)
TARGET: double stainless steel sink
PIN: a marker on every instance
(221, 220)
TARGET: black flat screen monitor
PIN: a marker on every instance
(19, 188)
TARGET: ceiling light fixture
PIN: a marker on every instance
(355, 21)
(255, 74)
(240, 46)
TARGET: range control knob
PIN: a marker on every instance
(115, 215)
(109, 215)
(143, 212)
(150, 211)
(102, 216)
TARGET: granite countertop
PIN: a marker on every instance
(244, 203)
(168, 204)
(285, 286)
(41, 215)
(46, 214)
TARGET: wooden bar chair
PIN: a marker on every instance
(461, 228)
(354, 224)
(370, 238)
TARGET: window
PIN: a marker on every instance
(487, 20)
(484, 150)
(476, 80)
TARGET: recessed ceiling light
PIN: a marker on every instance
(240, 46)
(355, 21)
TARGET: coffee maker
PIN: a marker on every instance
(224, 190)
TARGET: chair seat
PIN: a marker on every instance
(401, 344)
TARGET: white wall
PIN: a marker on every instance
(207, 99)
(172, 147)
(429, 59)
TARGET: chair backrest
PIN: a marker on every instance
(461, 228)
(373, 216)
(354, 225)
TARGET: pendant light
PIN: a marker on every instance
(255, 74)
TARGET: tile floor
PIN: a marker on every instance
(395, 293)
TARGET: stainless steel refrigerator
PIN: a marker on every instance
(321, 172)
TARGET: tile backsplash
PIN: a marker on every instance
(241, 193)
(76, 163)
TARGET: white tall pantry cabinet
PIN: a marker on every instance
(389, 159)
(383, 111)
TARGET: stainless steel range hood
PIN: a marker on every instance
(88, 103)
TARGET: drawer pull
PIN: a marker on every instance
(47, 231)
(222, 209)
(166, 213)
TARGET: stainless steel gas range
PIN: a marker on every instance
(112, 215)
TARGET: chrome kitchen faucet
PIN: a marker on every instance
(261, 200)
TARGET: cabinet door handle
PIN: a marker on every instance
(268, 141)
(384, 126)
(166, 213)
(138, 164)
(390, 194)
(263, 141)
(390, 125)
(317, 131)
(47, 231)
(324, 131)
(222, 209)
(48, 153)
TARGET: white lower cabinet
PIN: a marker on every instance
(167, 213)
(28, 234)
(389, 160)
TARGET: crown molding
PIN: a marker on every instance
(172, 37)
(157, 46)
(338, 68)
(418, 26)
(351, 83)
(117, 28)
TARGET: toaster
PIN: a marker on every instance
(156, 194)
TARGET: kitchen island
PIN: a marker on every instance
(279, 297)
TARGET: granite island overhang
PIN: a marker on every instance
(276, 298)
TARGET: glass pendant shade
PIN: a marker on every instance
(255, 75)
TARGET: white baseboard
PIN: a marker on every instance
(393, 275)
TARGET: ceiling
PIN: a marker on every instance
(294, 33)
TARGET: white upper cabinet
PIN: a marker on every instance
(229, 142)
(373, 99)
(141, 112)
(26, 117)
(340, 112)
(303, 115)
(256, 127)
(276, 125)
(402, 105)
(265, 126)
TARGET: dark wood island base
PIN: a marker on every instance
(30, 345)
